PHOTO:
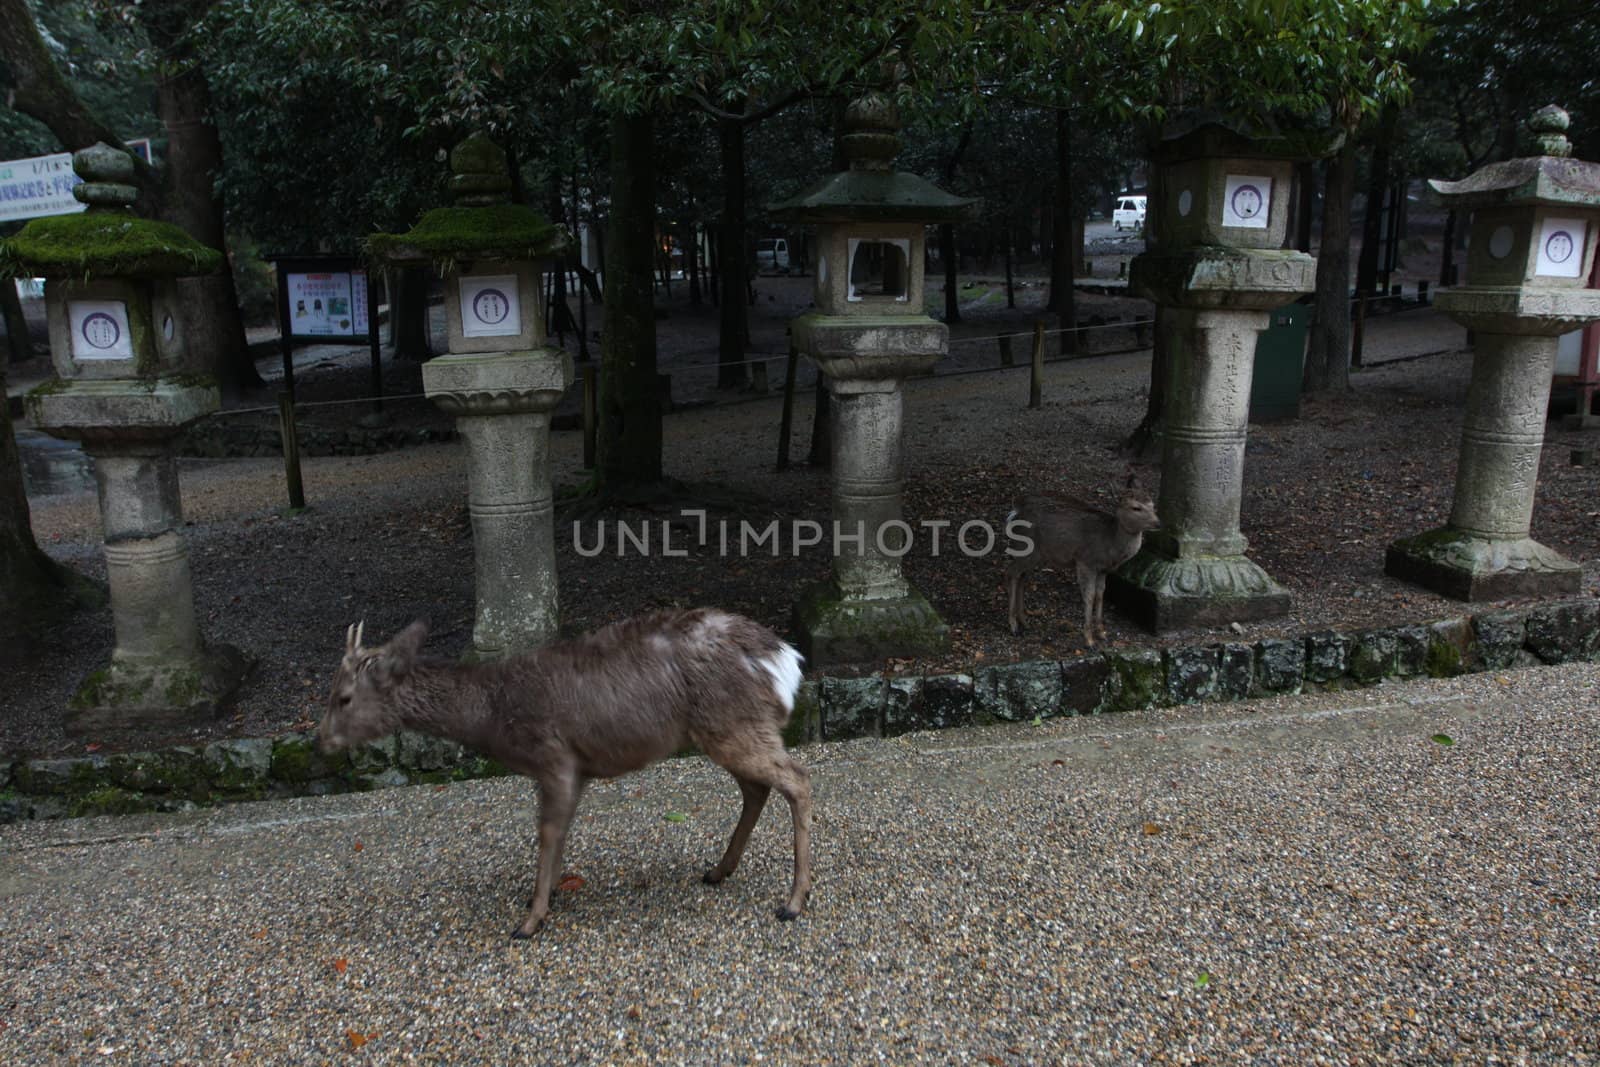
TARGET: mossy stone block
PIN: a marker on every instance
(1086, 684)
(419, 752)
(1327, 656)
(1564, 633)
(1452, 648)
(109, 801)
(939, 702)
(172, 770)
(295, 760)
(1410, 651)
(852, 707)
(1138, 680)
(1017, 692)
(1500, 636)
(1192, 674)
(1280, 666)
(899, 696)
(805, 722)
(5, 774)
(240, 765)
(62, 777)
(1374, 656)
(374, 756)
(1235, 671)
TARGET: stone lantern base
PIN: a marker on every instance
(143, 694)
(833, 628)
(1163, 593)
(1463, 566)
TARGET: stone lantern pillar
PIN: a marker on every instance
(869, 331)
(1535, 224)
(126, 385)
(1218, 268)
(501, 381)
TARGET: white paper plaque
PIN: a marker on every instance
(1560, 248)
(1247, 201)
(489, 306)
(99, 329)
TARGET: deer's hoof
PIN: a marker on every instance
(519, 934)
(712, 877)
(786, 914)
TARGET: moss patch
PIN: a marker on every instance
(104, 245)
(498, 231)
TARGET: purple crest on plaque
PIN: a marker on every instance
(1558, 247)
(101, 330)
(1247, 201)
(491, 306)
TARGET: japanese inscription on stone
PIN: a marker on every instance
(489, 306)
(99, 329)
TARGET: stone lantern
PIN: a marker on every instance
(1218, 267)
(501, 381)
(126, 385)
(869, 331)
(1535, 222)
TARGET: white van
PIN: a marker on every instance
(1129, 213)
(772, 253)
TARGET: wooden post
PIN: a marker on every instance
(374, 344)
(291, 452)
(1036, 378)
(1006, 358)
(591, 375)
(758, 376)
(786, 423)
(1358, 331)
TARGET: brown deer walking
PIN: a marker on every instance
(599, 706)
(1066, 533)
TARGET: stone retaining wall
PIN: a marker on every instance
(833, 708)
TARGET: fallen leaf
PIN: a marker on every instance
(571, 883)
(357, 1040)
(261, 934)
(1443, 739)
(994, 1061)
(675, 816)
(1151, 829)
(1058, 763)
(1202, 979)
(94, 747)
(633, 1012)
(341, 965)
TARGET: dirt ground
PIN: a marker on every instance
(387, 537)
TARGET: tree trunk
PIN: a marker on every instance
(1011, 287)
(35, 589)
(408, 313)
(1305, 184)
(1447, 251)
(1063, 298)
(18, 343)
(731, 265)
(948, 258)
(1328, 355)
(629, 444)
(691, 262)
(1377, 190)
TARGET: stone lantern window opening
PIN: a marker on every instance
(880, 269)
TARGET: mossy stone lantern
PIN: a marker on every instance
(870, 330)
(1535, 224)
(501, 381)
(126, 385)
(1216, 269)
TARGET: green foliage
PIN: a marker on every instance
(101, 245)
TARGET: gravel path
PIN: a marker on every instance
(1301, 881)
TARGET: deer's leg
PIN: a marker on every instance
(764, 762)
(755, 798)
(558, 802)
(1014, 599)
(1087, 586)
(1100, 604)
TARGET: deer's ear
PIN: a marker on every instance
(400, 654)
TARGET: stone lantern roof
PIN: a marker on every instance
(871, 190)
(1202, 134)
(481, 224)
(108, 240)
(1550, 179)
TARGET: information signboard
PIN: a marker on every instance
(42, 185)
(327, 303)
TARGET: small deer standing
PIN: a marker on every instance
(1065, 533)
(599, 706)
